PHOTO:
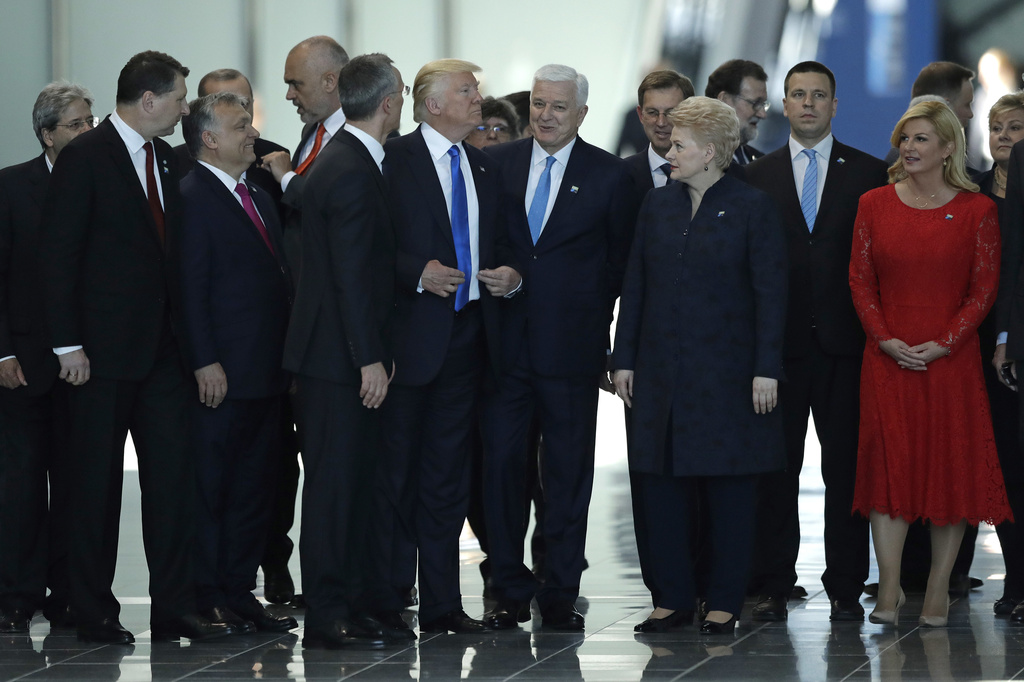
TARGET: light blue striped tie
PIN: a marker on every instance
(539, 206)
(809, 197)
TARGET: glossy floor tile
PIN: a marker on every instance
(975, 646)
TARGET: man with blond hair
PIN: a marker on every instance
(452, 272)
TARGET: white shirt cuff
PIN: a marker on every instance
(286, 179)
(64, 350)
(5, 359)
(1001, 338)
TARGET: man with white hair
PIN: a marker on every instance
(570, 210)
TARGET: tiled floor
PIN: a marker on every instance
(976, 645)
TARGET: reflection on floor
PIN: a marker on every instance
(975, 646)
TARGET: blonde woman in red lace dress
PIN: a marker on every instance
(923, 273)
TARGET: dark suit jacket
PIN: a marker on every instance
(752, 153)
(23, 330)
(702, 313)
(820, 304)
(346, 295)
(255, 175)
(235, 293)
(108, 282)
(640, 170)
(423, 321)
(573, 275)
(1010, 303)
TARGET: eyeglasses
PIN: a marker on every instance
(756, 104)
(405, 91)
(497, 130)
(77, 124)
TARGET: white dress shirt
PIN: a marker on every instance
(231, 184)
(823, 150)
(332, 124)
(372, 145)
(656, 162)
(537, 163)
(438, 146)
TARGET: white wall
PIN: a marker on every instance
(90, 40)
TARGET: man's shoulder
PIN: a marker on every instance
(843, 153)
(21, 172)
(264, 146)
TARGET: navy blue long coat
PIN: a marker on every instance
(702, 313)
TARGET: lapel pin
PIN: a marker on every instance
(949, 216)
(574, 189)
(721, 213)
(840, 161)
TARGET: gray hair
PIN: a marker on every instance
(364, 83)
(202, 117)
(559, 73)
(51, 103)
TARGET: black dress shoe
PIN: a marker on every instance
(16, 621)
(710, 627)
(562, 616)
(341, 634)
(106, 631)
(455, 621)
(674, 620)
(1017, 615)
(702, 609)
(225, 616)
(393, 626)
(60, 618)
(278, 587)
(1004, 606)
(191, 626)
(264, 621)
(507, 614)
(846, 610)
(771, 609)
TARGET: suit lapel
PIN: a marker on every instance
(122, 160)
(39, 174)
(485, 197)
(573, 182)
(307, 131)
(425, 173)
(834, 181)
(230, 203)
(787, 184)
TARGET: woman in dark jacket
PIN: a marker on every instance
(698, 357)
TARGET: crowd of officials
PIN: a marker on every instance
(425, 317)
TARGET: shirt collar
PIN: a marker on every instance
(824, 147)
(437, 144)
(131, 137)
(228, 181)
(334, 122)
(654, 160)
(372, 145)
(562, 155)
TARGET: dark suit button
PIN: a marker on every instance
(534, 256)
(679, 255)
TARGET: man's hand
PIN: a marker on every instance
(278, 163)
(765, 394)
(998, 358)
(11, 375)
(500, 281)
(440, 279)
(375, 385)
(74, 367)
(213, 384)
(623, 380)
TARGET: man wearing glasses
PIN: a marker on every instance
(658, 94)
(33, 405)
(743, 86)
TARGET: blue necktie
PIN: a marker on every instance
(460, 228)
(809, 197)
(540, 201)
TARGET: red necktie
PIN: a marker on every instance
(320, 130)
(243, 191)
(153, 193)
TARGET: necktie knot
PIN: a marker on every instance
(242, 189)
(454, 152)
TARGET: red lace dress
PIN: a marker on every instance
(926, 448)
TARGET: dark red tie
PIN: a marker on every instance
(243, 192)
(153, 193)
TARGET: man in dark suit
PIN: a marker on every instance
(658, 93)
(570, 209)
(743, 85)
(236, 296)
(338, 345)
(452, 269)
(817, 183)
(278, 587)
(33, 409)
(111, 238)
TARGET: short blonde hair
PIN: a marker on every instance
(947, 127)
(1006, 104)
(711, 121)
(430, 81)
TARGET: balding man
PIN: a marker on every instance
(743, 85)
(452, 272)
(33, 405)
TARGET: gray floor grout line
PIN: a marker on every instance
(47, 667)
(183, 677)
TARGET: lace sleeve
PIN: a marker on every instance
(981, 291)
(863, 280)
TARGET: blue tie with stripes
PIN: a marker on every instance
(809, 197)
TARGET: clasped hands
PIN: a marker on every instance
(444, 281)
(913, 357)
(765, 391)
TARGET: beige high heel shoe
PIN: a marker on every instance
(935, 621)
(889, 617)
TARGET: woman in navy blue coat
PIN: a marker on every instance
(698, 357)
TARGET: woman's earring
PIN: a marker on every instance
(705, 168)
